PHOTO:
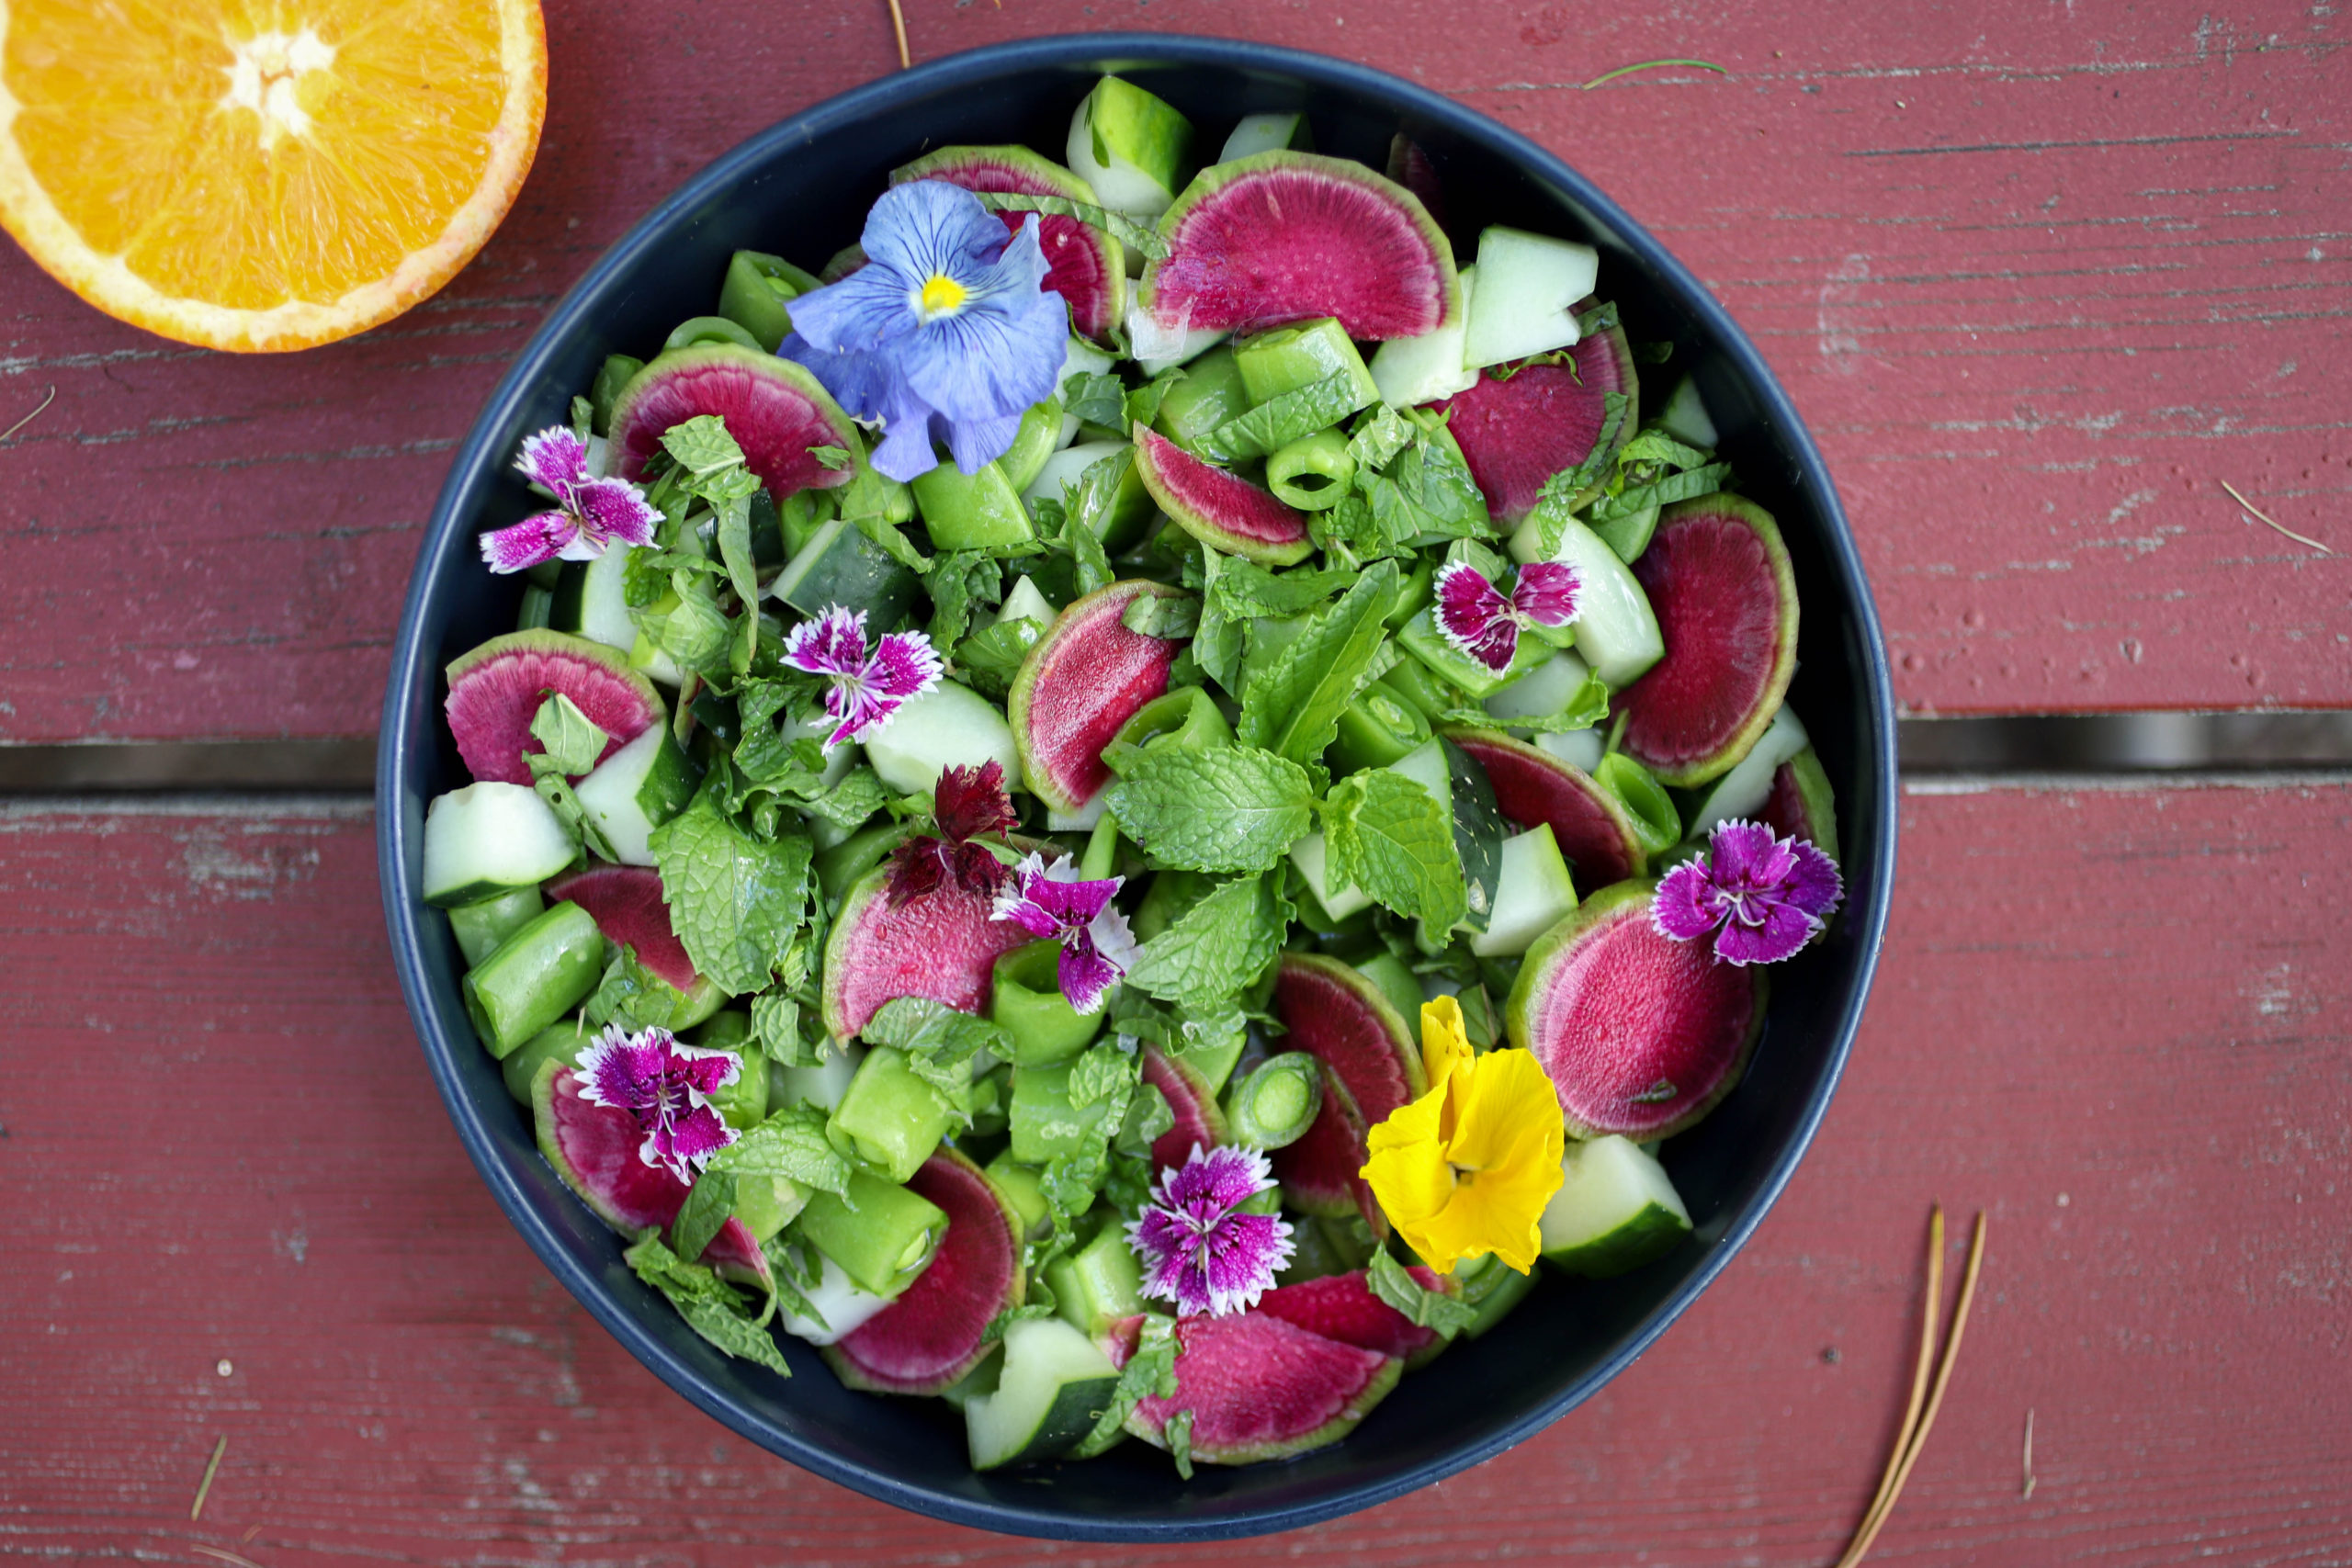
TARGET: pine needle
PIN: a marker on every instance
(2258, 514)
(899, 26)
(2027, 1491)
(229, 1557)
(204, 1488)
(48, 397)
(1654, 65)
(1919, 1417)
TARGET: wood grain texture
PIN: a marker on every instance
(2113, 1019)
(2039, 275)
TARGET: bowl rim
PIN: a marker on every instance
(395, 836)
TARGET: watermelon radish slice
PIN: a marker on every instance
(627, 903)
(1802, 805)
(1642, 1035)
(593, 1149)
(496, 689)
(1335, 1014)
(774, 409)
(1719, 580)
(1285, 236)
(943, 944)
(1517, 432)
(1200, 1122)
(1259, 1388)
(1596, 834)
(1083, 264)
(937, 1330)
(1222, 510)
(1342, 1307)
(1082, 681)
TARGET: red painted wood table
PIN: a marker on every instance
(2039, 275)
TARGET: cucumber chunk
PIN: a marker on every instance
(1580, 748)
(1546, 690)
(949, 725)
(839, 565)
(1056, 1385)
(1532, 892)
(1684, 416)
(1410, 371)
(1098, 1283)
(489, 838)
(1528, 288)
(1026, 601)
(1130, 147)
(1740, 794)
(636, 790)
(821, 1086)
(1615, 1210)
(841, 1305)
(1268, 133)
(1312, 855)
(1616, 630)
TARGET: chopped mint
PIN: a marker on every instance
(1149, 1116)
(1217, 641)
(1279, 421)
(1388, 836)
(1394, 1283)
(1245, 590)
(960, 583)
(1177, 1431)
(988, 659)
(895, 545)
(1150, 1373)
(710, 1306)
(1228, 808)
(834, 457)
(1379, 436)
(1215, 949)
(1292, 706)
(1101, 1073)
(1662, 491)
(775, 1022)
(572, 741)
(790, 1144)
(735, 901)
(701, 445)
(709, 1206)
(1143, 404)
(1096, 398)
(940, 1042)
(1171, 616)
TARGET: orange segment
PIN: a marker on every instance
(263, 174)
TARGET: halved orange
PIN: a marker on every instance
(263, 174)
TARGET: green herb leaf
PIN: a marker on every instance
(960, 583)
(1177, 1433)
(790, 1144)
(1378, 438)
(775, 1023)
(1217, 641)
(1228, 808)
(1150, 1373)
(709, 1306)
(735, 902)
(1388, 836)
(702, 446)
(1394, 1283)
(1245, 590)
(895, 545)
(571, 738)
(989, 660)
(1218, 948)
(939, 1042)
(1663, 492)
(1127, 232)
(1101, 1074)
(1276, 422)
(1292, 707)
(1096, 398)
(710, 1204)
(1427, 491)
(1173, 617)
(834, 457)
(1143, 404)
(1149, 1116)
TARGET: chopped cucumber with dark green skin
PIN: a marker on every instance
(479, 927)
(1131, 147)
(1056, 1385)
(537, 975)
(1615, 1211)
(839, 565)
(890, 1119)
(487, 839)
(1543, 692)
(636, 790)
(880, 1232)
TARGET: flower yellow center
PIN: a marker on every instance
(942, 295)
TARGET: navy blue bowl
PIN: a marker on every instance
(802, 187)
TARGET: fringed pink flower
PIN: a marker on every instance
(589, 513)
(1197, 1248)
(667, 1086)
(1050, 902)
(1475, 616)
(1761, 896)
(868, 685)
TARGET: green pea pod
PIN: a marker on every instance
(1186, 720)
(1026, 1002)
(1277, 1102)
(971, 511)
(1657, 823)
(1291, 357)
(1313, 474)
(537, 975)
(754, 292)
(710, 329)
(1379, 728)
(881, 1234)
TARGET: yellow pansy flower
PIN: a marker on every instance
(1467, 1168)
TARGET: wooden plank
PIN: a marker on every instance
(2115, 1020)
(2039, 279)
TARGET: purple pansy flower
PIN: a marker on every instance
(868, 685)
(589, 513)
(667, 1086)
(1474, 616)
(1050, 902)
(1196, 1247)
(1761, 896)
(947, 334)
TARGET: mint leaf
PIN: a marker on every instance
(1379, 436)
(988, 659)
(1394, 1283)
(775, 1023)
(1096, 398)
(572, 741)
(709, 1206)
(1664, 492)
(1245, 590)
(709, 1306)
(1428, 490)
(701, 445)
(1169, 616)
(834, 457)
(1214, 949)
(1388, 836)
(1150, 1373)
(735, 901)
(1217, 641)
(1177, 1431)
(1279, 421)
(687, 623)
(1143, 404)
(1292, 706)
(1145, 242)
(895, 545)
(1149, 1116)
(1088, 504)
(959, 583)
(1227, 809)
(940, 1042)
(1651, 445)
(1100, 1074)
(790, 1144)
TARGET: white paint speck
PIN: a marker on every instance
(223, 1368)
